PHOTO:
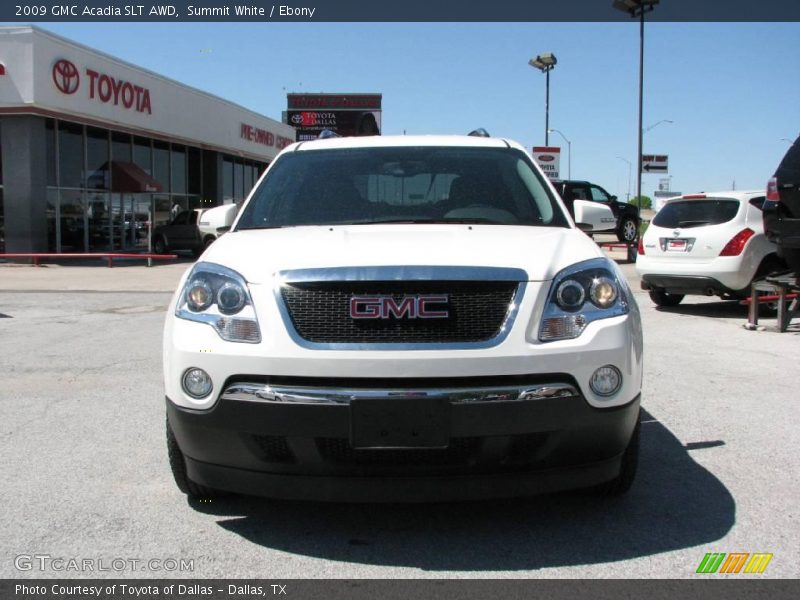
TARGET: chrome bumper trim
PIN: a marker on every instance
(262, 392)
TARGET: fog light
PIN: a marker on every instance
(197, 383)
(606, 381)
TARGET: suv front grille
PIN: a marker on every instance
(320, 311)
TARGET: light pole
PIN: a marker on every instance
(545, 63)
(656, 124)
(569, 151)
(637, 8)
(630, 166)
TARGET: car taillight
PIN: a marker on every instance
(772, 190)
(737, 243)
(640, 249)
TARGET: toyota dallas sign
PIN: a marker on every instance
(549, 159)
(344, 114)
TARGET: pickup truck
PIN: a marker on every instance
(410, 318)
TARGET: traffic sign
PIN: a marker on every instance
(654, 163)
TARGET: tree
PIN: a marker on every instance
(646, 201)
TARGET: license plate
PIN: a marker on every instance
(400, 423)
(676, 245)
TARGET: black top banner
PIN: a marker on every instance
(27, 11)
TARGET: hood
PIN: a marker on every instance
(540, 251)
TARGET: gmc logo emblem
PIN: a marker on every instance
(410, 307)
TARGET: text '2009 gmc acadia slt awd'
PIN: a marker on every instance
(403, 319)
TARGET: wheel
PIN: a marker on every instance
(208, 241)
(177, 464)
(627, 232)
(662, 298)
(159, 245)
(627, 472)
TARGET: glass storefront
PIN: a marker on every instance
(87, 211)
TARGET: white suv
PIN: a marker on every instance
(403, 319)
(708, 244)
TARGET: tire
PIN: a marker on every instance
(177, 464)
(662, 298)
(627, 472)
(159, 245)
(627, 231)
(208, 241)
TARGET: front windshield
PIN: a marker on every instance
(402, 184)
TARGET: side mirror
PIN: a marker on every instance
(225, 229)
(584, 226)
(613, 198)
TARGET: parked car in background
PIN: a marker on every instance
(627, 216)
(193, 230)
(782, 208)
(707, 244)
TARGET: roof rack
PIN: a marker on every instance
(327, 134)
(479, 132)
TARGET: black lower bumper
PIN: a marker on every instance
(494, 449)
(687, 284)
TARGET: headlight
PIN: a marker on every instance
(219, 296)
(585, 292)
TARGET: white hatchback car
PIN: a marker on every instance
(706, 244)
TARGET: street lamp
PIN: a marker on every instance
(654, 125)
(569, 151)
(637, 8)
(545, 63)
(630, 166)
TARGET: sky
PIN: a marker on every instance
(731, 90)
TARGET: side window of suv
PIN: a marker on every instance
(599, 195)
(579, 192)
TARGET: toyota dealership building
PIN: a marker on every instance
(93, 148)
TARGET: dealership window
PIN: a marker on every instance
(227, 180)
(98, 174)
(178, 169)
(2, 223)
(70, 155)
(248, 178)
(50, 152)
(238, 180)
(121, 147)
(195, 170)
(143, 154)
(161, 164)
(72, 217)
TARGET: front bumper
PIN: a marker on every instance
(472, 445)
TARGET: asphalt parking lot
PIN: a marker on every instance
(85, 471)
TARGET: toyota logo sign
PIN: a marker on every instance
(65, 76)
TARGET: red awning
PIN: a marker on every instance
(130, 178)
